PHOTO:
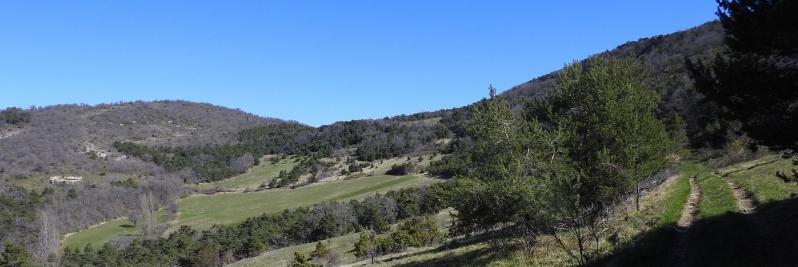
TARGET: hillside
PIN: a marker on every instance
(664, 58)
(77, 139)
(70, 136)
(194, 183)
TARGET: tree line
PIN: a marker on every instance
(223, 244)
(371, 140)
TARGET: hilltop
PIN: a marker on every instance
(77, 139)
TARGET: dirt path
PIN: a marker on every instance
(691, 207)
(744, 203)
(678, 254)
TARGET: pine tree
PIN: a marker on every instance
(14, 255)
(499, 185)
(610, 141)
(755, 81)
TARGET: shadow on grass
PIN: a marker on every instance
(767, 237)
(478, 257)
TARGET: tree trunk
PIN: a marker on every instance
(637, 196)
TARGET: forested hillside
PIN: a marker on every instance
(663, 58)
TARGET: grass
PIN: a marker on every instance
(100, 234)
(763, 182)
(674, 204)
(342, 245)
(202, 211)
(382, 166)
(716, 196)
(744, 166)
(627, 222)
(254, 177)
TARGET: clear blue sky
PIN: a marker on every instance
(313, 61)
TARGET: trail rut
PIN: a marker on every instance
(745, 204)
(691, 207)
(678, 255)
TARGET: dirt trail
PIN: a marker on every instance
(744, 203)
(691, 207)
(678, 254)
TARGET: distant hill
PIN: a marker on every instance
(664, 58)
(79, 138)
(664, 55)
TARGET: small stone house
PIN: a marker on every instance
(65, 179)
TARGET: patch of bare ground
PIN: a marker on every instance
(679, 253)
(691, 207)
(9, 133)
(745, 204)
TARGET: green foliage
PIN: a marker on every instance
(130, 182)
(224, 243)
(210, 163)
(418, 232)
(677, 131)
(755, 80)
(454, 164)
(16, 206)
(414, 232)
(307, 165)
(14, 255)
(402, 169)
(364, 245)
(207, 254)
(301, 261)
(610, 129)
(607, 140)
(570, 158)
(500, 185)
(320, 251)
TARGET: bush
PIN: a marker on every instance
(402, 169)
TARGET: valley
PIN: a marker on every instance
(233, 203)
(676, 149)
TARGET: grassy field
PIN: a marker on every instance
(202, 211)
(100, 234)
(716, 196)
(254, 177)
(763, 182)
(744, 166)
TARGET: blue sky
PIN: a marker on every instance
(313, 61)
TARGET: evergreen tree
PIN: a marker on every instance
(608, 141)
(14, 255)
(755, 80)
(500, 185)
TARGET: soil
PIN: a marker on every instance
(691, 207)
